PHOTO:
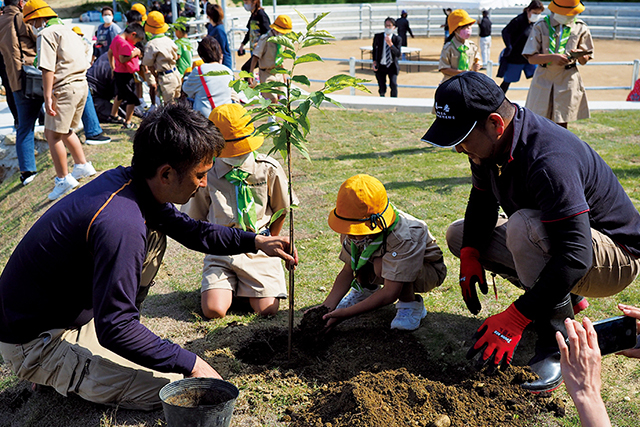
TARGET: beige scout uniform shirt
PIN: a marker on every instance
(412, 255)
(266, 53)
(450, 55)
(248, 275)
(61, 50)
(10, 48)
(161, 54)
(557, 93)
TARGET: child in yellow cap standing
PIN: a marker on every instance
(558, 43)
(381, 245)
(266, 55)
(160, 57)
(62, 57)
(244, 190)
(460, 53)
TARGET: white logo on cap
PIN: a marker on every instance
(442, 112)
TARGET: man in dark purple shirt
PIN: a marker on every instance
(571, 228)
(70, 292)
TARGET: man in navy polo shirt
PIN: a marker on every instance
(570, 227)
(71, 291)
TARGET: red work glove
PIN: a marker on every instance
(471, 272)
(498, 338)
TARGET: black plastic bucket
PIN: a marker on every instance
(198, 402)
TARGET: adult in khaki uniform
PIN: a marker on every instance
(16, 36)
(556, 91)
(81, 333)
(570, 229)
(245, 189)
(381, 245)
(160, 57)
(64, 85)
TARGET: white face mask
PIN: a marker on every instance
(248, 7)
(534, 17)
(564, 20)
(388, 31)
(108, 19)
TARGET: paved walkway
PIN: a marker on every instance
(414, 105)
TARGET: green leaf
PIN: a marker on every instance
(283, 116)
(280, 70)
(334, 102)
(320, 33)
(276, 215)
(293, 130)
(282, 40)
(301, 15)
(315, 21)
(303, 108)
(314, 42)
(317, 98)
(245, 75)
(308, 57)
(250, 92)
(288, 54)
(216, 73)
(301, 79)
(239, 85)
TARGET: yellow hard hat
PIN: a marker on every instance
(139, 7)
(459, 18)
(566, 7)
(233, 122)
(282, 24)
(155, 23)
(78, 31)
(35, 9)
(362, 207)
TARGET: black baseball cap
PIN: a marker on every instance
(460, 103)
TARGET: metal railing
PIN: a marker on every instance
(353, 62)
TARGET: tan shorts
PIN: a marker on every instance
(72, 361)
(70, 100)
(266, 76)
(430, 276)
(247, 275)
(170, 86)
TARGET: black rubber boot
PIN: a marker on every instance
(546, 361)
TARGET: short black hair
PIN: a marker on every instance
(106, 8)
(209, 50)
(11, 2)
(133, 16)
(135, 29)
(390, 19)
(176, 135)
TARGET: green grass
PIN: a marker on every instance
(431, 184)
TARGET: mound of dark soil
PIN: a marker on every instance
(399, 398)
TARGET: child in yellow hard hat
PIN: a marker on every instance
(266, 55)
(160, 58)
(557, 44)
(244, 190)
(460, 53)
(65, 88)
(381, 246)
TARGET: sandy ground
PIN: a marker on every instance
(592, 75)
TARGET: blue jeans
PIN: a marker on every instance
(90, 118)
(28, 110)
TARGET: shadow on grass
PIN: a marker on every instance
(378, 154)
(627, 173)
(438, 185)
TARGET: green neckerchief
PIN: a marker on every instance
(278, 57)
(553, 46)
(360, 258)
(463, 63)
(246, 205)
(156, 36)
(54, 21)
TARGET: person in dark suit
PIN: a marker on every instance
(386, 53)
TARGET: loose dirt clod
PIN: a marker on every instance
(198, 397)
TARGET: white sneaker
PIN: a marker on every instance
(355, 296)
(62, 186)
(409, 315)
(83, 171)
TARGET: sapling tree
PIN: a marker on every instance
(293, 126)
